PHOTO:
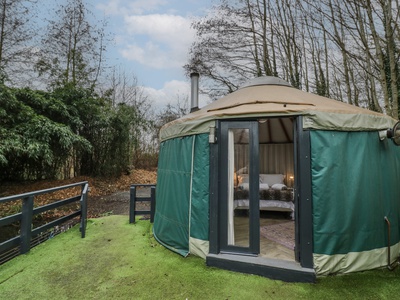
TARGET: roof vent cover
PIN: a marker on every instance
(265, 80)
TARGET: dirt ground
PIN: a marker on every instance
(106, 195)
(115, 204)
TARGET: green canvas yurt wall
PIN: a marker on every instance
(354, 184)
(181, 220)
(354, 175)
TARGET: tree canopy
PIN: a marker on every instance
(70, 126)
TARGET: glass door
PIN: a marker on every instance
(239, 197)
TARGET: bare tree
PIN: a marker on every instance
(72, 49)
(361, 31)
(247, 38)
(231, 46)
(16, 35)
(286, 14)
(390, 23)
(172, 112)
(124, 90)
(345, 49)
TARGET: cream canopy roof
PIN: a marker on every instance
(271, 97)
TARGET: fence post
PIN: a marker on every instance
(152, 204)
(26, 224)
(132, 204)
(83, 202)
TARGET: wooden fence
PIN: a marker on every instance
(27, 234)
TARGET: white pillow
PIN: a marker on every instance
(245, 186)
(279, 186)
(271, 179)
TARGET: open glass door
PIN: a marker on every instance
(239, 164)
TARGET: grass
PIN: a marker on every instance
(118, 260)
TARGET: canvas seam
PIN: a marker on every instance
(191, 188)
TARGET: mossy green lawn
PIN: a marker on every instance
(118, 260)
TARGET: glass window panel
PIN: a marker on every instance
(238, 187)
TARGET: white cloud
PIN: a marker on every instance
(142, 6)
(162, 27)
(112, 7)
(124, 7)
(168, 40)
(171, 92)
(150, 55)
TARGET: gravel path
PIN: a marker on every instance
(116, 204)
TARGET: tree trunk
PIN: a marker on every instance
(370, 84)
(2, 31)
(391, 46)
(340, 43)
(263, 20)
(253, 32)
(379, 54)
(327, 79)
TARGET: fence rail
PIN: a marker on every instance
(134, 197)
(27, 232)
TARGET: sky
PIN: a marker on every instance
(151, 40)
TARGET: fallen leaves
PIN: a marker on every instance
(97, 187)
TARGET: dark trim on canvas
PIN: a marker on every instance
(214, 191)
(254, 213)
(304, 196)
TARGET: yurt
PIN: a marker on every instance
(275, 181)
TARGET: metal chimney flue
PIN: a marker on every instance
(194, 100)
